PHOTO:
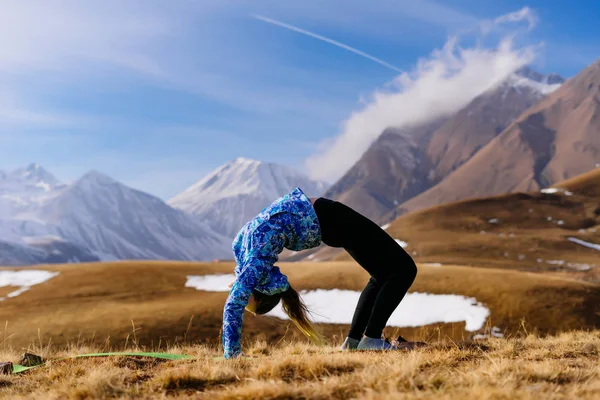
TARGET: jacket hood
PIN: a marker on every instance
(274, 282)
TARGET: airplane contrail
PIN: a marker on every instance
(327, 40)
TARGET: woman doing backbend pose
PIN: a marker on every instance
(296, 222)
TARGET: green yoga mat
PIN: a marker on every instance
(164, 356)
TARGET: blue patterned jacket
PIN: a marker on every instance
(289, 222)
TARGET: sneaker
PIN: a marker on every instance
(409, 345)
(349, 344)
(400, 339)
(368, 343)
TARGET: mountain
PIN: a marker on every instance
(556, 139)
(43, 250)
(95, 218)
(402, 163)
(392, 170)
(117, 222)
(235, 192)
(554, 229)
(24, 187)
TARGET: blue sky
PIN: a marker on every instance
(156, 94)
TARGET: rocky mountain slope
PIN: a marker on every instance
(401, 164)
(556, 139)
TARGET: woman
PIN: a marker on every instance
(296, 222)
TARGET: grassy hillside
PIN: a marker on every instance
(111, 304)
(523, 231)
(585, 185)
(522, 367)
(516, 231)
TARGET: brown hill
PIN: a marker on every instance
(535, 231)
(586, 184)
(556, 139)
(147, 303)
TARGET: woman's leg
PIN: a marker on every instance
(362, 314)
(392, 270)
(389, 297)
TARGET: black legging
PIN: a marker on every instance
(392, 270)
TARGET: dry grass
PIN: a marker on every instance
(145, 304)
(525, 366)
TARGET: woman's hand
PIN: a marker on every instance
(231, 284)
(242, 356)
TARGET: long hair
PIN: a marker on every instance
(294, 307)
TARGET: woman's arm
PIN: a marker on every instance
(265, 245)
(233, 313)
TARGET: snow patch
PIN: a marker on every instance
(495, 332)
(549, 191)
(494, 221)
(24, 279)
(575, 266)
(210, 283)
(580, 267)
(337, 306)
(402, 244)
(432, 264)
(585, 244)
(386, 226)
(556, 190)
(417, 309)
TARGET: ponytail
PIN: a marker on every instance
(296, 310)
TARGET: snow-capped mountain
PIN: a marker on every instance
(27, 187)
(95, 218)
(115, 221)
(550, 79)
(527, 79)
(235, 192)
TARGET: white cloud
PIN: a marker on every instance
(440, 85)
(52, 34)
(524, 14)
